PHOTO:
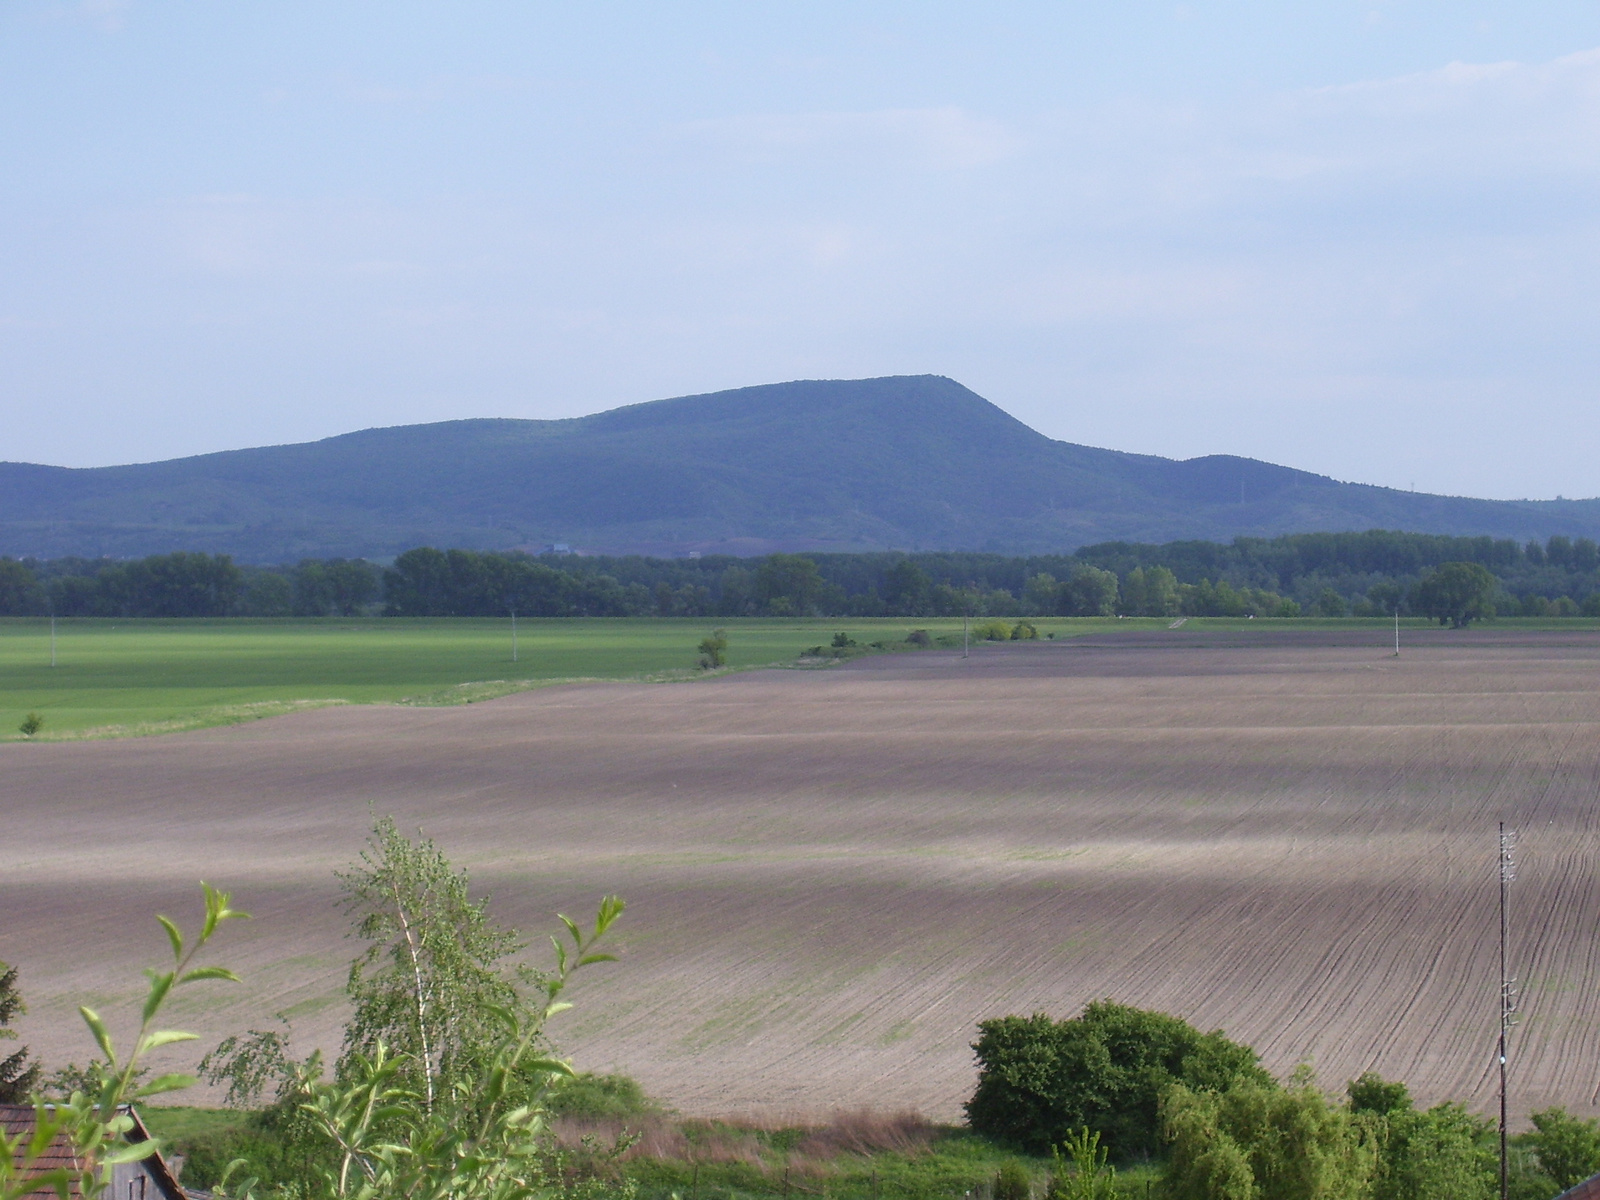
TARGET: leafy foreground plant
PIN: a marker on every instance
(1084, 1172)
(477, 1140)
(95, 1125)
(445, 1082)
(458, 1112)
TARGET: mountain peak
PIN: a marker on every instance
(905, 461)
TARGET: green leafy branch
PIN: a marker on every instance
(96, 1125)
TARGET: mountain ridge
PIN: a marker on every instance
(904, 462)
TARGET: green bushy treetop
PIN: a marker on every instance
(95, 1120)
(1456, 594)
(1256, 1140)
(436, 971)
(1565, 1149)
(1040, 1080)
(1442, 1153)
(446, 1082)
(714, 650)
(1150, 592)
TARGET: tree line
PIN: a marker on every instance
(1327, 575)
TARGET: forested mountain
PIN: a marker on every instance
(910, 462)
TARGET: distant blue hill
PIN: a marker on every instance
(909, 462)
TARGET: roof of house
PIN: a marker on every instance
(1589, 1189)
(20, 1119)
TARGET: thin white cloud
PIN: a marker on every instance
(944, 138)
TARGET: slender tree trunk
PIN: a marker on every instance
(420, 995)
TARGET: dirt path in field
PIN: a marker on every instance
(833, 875)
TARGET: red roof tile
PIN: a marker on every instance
(18, 1119)
(21, 1119)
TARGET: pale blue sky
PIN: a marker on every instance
(1362, 239)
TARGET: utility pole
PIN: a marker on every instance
(1508, 991)
(1397, 631)
(966, 618)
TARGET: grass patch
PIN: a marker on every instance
(851, 1156)
(117, 677)
(175, 1122)
(860, 1155)
(128, 678)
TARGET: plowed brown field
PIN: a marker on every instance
(833, 875)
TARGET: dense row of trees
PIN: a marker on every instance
(1148, 1085)
(187, 585)
(1330, 575)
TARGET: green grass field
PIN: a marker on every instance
(129, 677)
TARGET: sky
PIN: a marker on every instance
(1359, 239)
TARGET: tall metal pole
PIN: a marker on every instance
(1397, 631)
(1508, 868)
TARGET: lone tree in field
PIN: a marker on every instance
(714, 650)
(18, 1076)
(1456, 593)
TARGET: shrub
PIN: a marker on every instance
(1567, 1148)
(842, 640)
(1372, 1093)
(1011, 1182)
(1256, 1139)
(993, 630)
(596, 1097)
(1041, 1080)
(921, 637)
(1445, 1153)
(1024, 631)
(31, 724)
(713, 650)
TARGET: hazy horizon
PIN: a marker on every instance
(1356, 239)
(579, 416)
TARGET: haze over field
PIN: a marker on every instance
(832, 876)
